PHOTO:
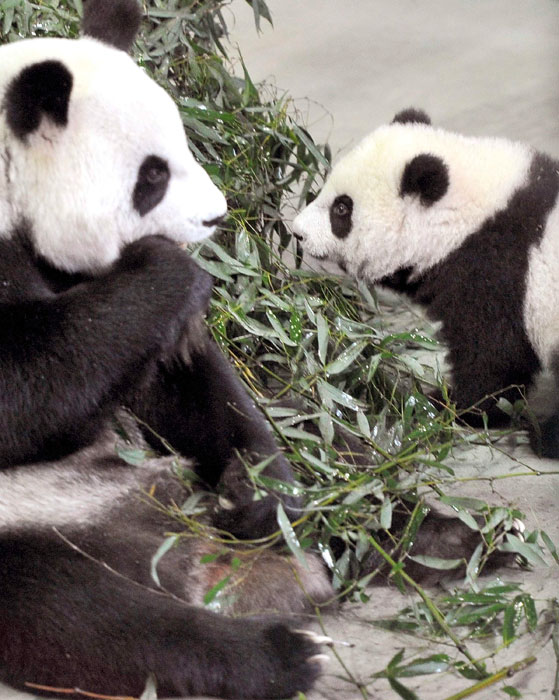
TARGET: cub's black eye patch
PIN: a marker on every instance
(341, 210)
(151, 185)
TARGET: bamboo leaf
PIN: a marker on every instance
(290, 537)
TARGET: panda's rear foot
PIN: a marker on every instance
(544, 437)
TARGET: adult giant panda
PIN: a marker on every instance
(98, 308)
(468, 227)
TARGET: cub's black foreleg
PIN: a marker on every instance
(202, 409)
(68, 622)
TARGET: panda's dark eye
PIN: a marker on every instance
(340, 209)
(151, 184)
(157, 173)
(340, 215)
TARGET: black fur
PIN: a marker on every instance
(340, 216)
(204, 412)
(88, 344)
(40, 90)
(425, 175)
(101, 631)
(71, 351)
(151, 184)
(478, 293)
(115, 22)
(411, 116)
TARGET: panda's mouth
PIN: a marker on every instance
(327, 263)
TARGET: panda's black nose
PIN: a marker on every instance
(298, 236)
(214, 222)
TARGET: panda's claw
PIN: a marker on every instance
(518, 528)
(226, 503)
(320, 659)
(316, 638)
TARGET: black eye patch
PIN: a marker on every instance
(151, 185)
(340, 215)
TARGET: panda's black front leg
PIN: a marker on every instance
(202, 410)
(67, 357)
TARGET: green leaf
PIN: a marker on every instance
(550, 545)
(211, 595)
(530, 612)
(468, 520)
(290, 537)
(529, 551)
(322, 335)
(295, 327)
(132, 455)
(386, 514)
(512, 617)
(338, 396)
(163, 548)
(437, 562)
(437, 663)
(346, 358)
(472, 569)
(402, 691)
(276, 325)
(395, 661)
(461, 503)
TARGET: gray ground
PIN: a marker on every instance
(477, 66)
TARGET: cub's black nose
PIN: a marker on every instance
(298, 236)
(214, 222)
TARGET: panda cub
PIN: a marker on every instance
(468, 227)
(100, 309)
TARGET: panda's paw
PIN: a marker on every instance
(544, 437)
(444, 537)
(244, 512)
(249, 520)
(244, 509)
(288, 662)
(170, 270)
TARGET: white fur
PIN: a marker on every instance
(390, 232)
(74, 184)
(541, 304)
(45, 495)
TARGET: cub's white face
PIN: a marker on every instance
(406, 197)
(118, 169)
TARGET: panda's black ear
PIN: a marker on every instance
(40, 90)
(425, 175)
(411, 116)
(114, 22)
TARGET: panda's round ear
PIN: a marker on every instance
(40, 90)
(411, 116)
(425, 175)
(114, 22)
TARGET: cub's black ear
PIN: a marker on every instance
(40, 90)
(115, 22)
(427, 176)
(411, 116)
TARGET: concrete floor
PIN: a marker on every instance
(477, 66)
